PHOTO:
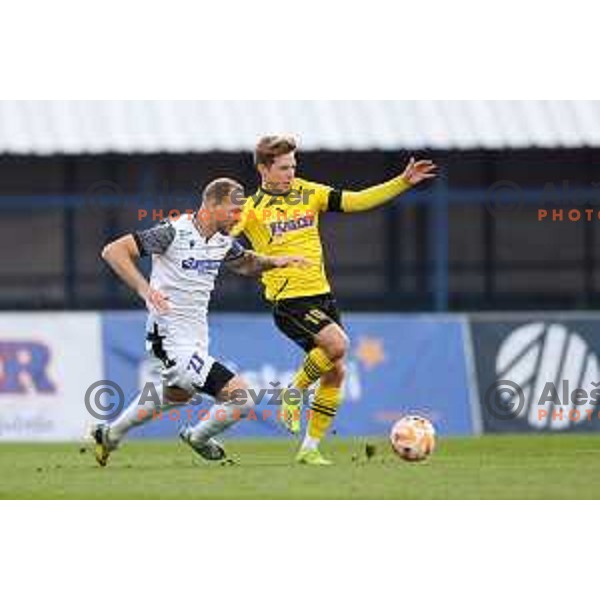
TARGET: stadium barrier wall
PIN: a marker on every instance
(397, 364)
(469, 374)
(47, 361)
(536, 372)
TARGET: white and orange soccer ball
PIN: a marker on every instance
(413, 438)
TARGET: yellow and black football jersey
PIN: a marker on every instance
(286, 225)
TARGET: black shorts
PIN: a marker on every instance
(301, 319)
(218, 377)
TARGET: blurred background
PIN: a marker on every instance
(74, 175)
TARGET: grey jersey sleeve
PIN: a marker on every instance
(155, 240)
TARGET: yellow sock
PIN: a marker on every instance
(315, 364)
(322, 413)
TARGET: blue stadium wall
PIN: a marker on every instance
(470, 374)
(396, 365)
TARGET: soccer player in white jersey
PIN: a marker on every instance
(187, 253)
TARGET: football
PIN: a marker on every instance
(413, 438)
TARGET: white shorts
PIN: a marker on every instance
(184, 364)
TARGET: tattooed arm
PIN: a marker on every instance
(251, 264)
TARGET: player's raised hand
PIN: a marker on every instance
(420, 170)
(292, 261)
(156, 301)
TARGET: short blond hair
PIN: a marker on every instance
(270, 147)
(220, 189)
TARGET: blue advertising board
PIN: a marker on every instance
(397, 364)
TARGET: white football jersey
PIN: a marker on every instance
(185, 265)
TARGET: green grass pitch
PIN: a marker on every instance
(543, 466)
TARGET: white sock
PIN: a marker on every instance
(310, 443)
(136, 414)
(220, 418)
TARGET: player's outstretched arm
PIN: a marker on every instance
(122, 255)
(251, 264)
(415, 172)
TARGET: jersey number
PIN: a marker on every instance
(196, 363)
(315, 316)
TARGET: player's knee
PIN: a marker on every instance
(236, 393)
(336, 346)
(236, 385)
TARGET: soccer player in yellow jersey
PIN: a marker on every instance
(282, 218)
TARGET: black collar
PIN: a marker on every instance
(270, 193)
